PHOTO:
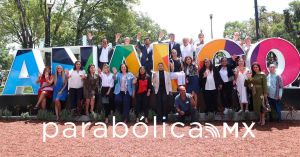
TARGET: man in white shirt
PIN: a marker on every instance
(172, 43)
(187, 49)
(199, 45)
(104, 53)
(236, 38)
(247, 46)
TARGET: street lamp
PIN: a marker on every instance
(256, 20)
(49, 4)
(211, 33)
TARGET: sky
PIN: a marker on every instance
(186, 18)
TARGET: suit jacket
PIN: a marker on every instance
(230, 72)
(99, 51)
(147, 58)
(176, 46)
(168, 84)
(217, 78)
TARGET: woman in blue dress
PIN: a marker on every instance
(60, 89)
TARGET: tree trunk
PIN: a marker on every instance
(27, 41)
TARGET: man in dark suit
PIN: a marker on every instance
(104, 53)
(147, 53)
(172, 43)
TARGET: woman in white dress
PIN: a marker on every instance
(241, 73)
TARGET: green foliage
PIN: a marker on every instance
(25, 115)
(272, 24)
(236, 26)
(24, 21)
(117, 115)
(97, 117)
(5, 59)
(151, 115)
(66, 115)
(45, 115)
(6, 113)
(210, 116)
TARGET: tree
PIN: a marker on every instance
(23, 21)
(236, 26)
(20, 22)
(5, 59)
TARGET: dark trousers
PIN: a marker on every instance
(122, 102)
(275, 104)
(161, 102)
(108, 107)
(192, 112)
(76, 95)
(142, 104)
(210, 98)
(226, 94)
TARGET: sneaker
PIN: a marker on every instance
(247, 111)
(226, 111)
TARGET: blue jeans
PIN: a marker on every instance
(276, 105)
(122, 101)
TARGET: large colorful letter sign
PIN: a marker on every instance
(160, 55)
(24, 71)
(88, 55)
(127, 53)
(229, 47)
(64, 57)
(287, 55)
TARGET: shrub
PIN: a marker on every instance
(97, 117)
(6, 113)
(25, 115)
(151, 115)
(45, 115)
(66, 115)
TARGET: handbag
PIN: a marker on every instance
(105, 99)
(265, 104)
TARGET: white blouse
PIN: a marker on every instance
(210, 81)
(224, 74)
(75, 80)
(107, 79)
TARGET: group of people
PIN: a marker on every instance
(118, 88)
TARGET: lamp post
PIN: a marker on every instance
(50, 4)
(211, 28)
(256, 20)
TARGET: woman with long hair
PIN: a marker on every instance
(46, 89)
(106, 90)
(90, 89)
(60, 89)
(143, 91)
(123, 90)
(241, 73)
(210, 82)
(257, 82)
(76, 77)
(176, 68)
(192, 78)
(227, 76)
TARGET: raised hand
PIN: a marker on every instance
(118, 36)
(114, 70)
(139, 35)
